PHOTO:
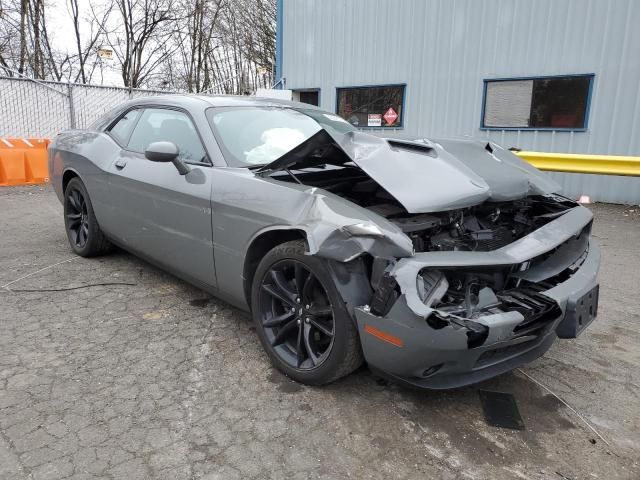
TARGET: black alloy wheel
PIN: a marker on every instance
(84, 233)
(77, 217)
(297, 315)
(301, 318)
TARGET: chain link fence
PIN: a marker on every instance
(41, 109)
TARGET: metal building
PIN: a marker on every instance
(545, 75)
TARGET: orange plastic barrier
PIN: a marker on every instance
(23, 161)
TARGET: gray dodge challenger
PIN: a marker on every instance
(439, 263)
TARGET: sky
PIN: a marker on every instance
(60, 26)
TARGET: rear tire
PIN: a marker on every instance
(301, 319)
(83, 231)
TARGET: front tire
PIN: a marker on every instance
(301, 318)
(83, 231)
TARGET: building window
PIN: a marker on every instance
(310, 96)
(543, 103)
(380, 107)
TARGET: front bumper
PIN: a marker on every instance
(441, 358)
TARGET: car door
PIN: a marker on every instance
(104, 150)
(159, 213)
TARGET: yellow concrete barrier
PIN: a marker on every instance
(23, 161)
(579, 163)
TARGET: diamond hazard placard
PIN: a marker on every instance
(390, 116)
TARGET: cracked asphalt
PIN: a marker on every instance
(157, 380)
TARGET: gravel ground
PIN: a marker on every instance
(157, 380)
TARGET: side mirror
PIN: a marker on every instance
(166, 152)
(161, 152)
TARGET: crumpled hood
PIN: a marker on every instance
(507, 175)
(423, 175)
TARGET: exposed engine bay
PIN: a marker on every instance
(484, 227)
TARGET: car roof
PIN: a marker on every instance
(217, 101)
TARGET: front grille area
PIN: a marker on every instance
(578, 243)
(539, 313)
(537, 309)
(563, 276)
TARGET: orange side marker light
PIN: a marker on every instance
(385, 337)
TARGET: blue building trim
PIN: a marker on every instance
(279, 16)
(591, 77)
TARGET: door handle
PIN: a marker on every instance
(121, 163)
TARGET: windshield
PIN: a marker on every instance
(251, 136)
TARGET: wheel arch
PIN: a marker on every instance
(259, 246)
(351, 278)
(68, 174)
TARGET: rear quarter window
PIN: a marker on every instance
(122, 128)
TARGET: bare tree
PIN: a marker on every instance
(86, 45)
(20, 36)
(7, 11)
(247, 57)
(31, 54)
(224, 46)
(196, 38)
(24, 9)
(15, 24)
(139, 41)
(190, 45)
(88, 31)
(258, 25)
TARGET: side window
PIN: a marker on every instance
(122, 128)
(163, 125)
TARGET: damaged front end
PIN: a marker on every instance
(460, 316)
(457, 260)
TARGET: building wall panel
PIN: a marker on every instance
(444, 49)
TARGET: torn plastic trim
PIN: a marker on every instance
(352, 282)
